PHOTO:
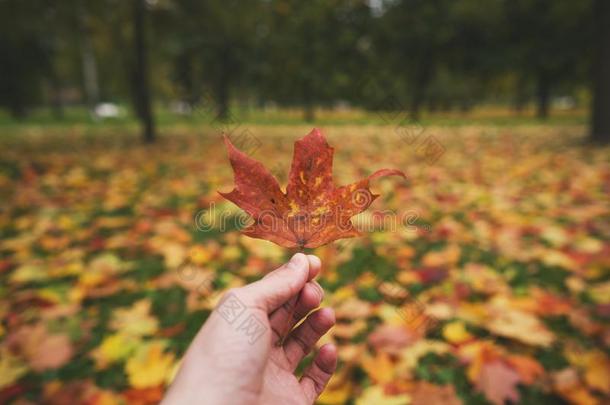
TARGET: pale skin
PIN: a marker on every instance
(226, 365)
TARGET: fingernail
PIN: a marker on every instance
(299, 260)
(314, 260)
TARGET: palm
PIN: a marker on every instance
(280, 384)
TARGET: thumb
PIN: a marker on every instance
(280, 285)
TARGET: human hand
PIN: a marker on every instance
(240, 356)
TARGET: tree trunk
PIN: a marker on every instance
(92, 92)
(422, 80)
(309, 113)
(141, 79)
(222, 92)
(57, 104)
(544, 95)
(17, 108)
(600, 122)
(520, 95)
(89, 64)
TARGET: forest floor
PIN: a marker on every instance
(484, 277)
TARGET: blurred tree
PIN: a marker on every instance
(600, 126)
(473, 57)
(24, 56)
(439, 54)
(308, 44)
(70, 54)
(141, 71)
(545, 43)
(417, 34)
(88, 60)
(214, 45)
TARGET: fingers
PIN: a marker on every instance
(319, 372)
(283, 319)
(300, 342)
(315, 265)
(279, 285)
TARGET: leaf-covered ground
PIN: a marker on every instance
(482, 279)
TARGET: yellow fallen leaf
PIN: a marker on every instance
(338, 390)
(601, 293)
(199, 255)
(375, 395)
(580, 396)
(101, 269)
(230, 253)
(114, 348)
(519, 325)
(409, 356)
(350, 329)
(597, 373)
(449, 255)
(379, 368)
(149, 366)
(595, 365)
(555, 235)
(27, 273)
(173, 255)
(455, 332)
(11, 368)
(588, 244)
(567, 383)
(136, 320)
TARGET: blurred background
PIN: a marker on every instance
(163, 60)
(483, 278)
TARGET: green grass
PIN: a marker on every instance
(78, 117)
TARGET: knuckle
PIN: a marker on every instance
(235, 293)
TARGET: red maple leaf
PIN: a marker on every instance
(312, 211)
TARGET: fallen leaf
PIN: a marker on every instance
(528, 368)
(519, 325)
(149, 366)
(376, 395)
(431, 394)
(11, 368)
(567, 383)
(114, 348)
(43, 350)
(379, 367)
(410, 355)
(498, 382)
(338, 390)
(456, 333)
(391, 338)
(596, 367)
(144, 396)
(136, 320)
